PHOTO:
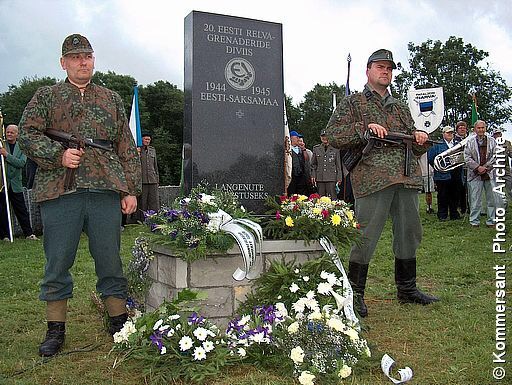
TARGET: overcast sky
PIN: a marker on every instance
(144, 39)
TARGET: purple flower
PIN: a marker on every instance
(185, 214)
(195, 318)
(172, 215)
(173, 234)
(156, 339)
(153, 227)
(149, 213)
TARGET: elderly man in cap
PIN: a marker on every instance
(447, 183)
(380, 187)
(326, 168)
(150, 179)
(103, 185)
(301, 173)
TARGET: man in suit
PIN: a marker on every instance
(300, 167)
(326, 168)
(14, 161)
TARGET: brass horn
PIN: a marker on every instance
(451, 158)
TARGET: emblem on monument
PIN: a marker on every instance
(239, 73)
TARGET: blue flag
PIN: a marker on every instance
(135, 118)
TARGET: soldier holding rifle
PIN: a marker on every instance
(383, 183)
(81, 187)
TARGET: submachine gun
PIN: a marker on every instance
(394, 139)
(70, 140)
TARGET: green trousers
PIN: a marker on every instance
(98, 214)
(372, 211)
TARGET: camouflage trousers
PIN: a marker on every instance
(98, 214)
(372, 212)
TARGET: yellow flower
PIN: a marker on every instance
(335, 219)
(325, 200)
(349, 214)
(317, 210)
(289, 221)
(302, 198)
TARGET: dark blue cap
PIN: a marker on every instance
(295, 133)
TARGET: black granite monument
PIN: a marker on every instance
(233, 124)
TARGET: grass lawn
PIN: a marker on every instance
(448, 343)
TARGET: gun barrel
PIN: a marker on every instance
(68, 138)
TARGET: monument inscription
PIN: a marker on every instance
(233, 126)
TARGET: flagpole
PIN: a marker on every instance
(4, 179)
(347, 85)
(287, 151)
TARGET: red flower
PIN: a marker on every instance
(294, 198)
(296, 208)
(283, 198)
(278, 215)
(314, 196)
(325, 213)
(358, 226)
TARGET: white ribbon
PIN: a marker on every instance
(347, 300)
(387, 362)
(222, 221)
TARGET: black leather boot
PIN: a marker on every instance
(117, 323)
(405, 278)
(54, 339)
(357, 274)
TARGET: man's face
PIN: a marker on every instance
(302, 145)
(146, 140)
(324, 139)
(294, 140)
(11, 134)
(448, 136)
(79, 67)
(380, 73)
(480, 129)
(462, 131)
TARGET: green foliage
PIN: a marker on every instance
(316, 109)
(458, 68)
(14, 101)
(122, 84)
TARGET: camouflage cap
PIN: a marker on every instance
(76, 44)
(382, 54)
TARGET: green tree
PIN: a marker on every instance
(14, 101)
(316, 109)
(292, 113)
(458, 68)
(162, 115)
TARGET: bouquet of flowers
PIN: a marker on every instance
(191, 225)
(310, 218)
(174, 342)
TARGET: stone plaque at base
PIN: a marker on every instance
(233, 124)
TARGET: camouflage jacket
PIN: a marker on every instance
(99, 114)
(381, 167)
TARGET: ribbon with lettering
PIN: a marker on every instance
(387, 362)
(245, 239)
(345, 301)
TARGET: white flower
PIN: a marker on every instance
(163, 350)
(244, 320)
(324, 288)
(157, 324)
(293, 328)
(345, 371)
(306, 378)
(185, 343)
(205, 198)
(297, 355)
(258, 337)
(127, 330)
(170, 333)
(178, 327)
(136, 314)
(324, 274)
(199, 353)
(310, 294)
(279, 297)
(315, 316)
(201, 333)
(281, 309)
(242, 208)
(299, 306)
(305, 278)
(354, 336)
(368, 351)
(296, 271)
(241, 352)
(173, 317)
(294, 288)
(208, 346)
(336, 324)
